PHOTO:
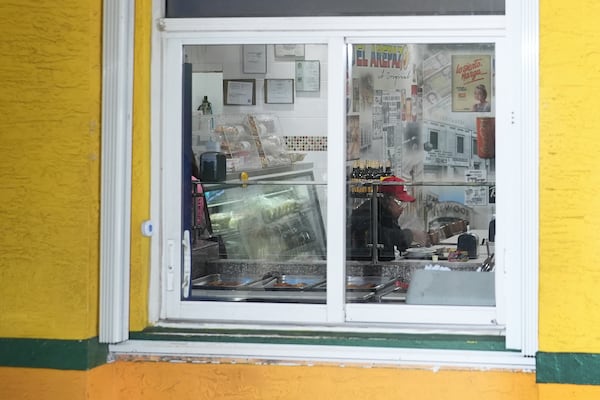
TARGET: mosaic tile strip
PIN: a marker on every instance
(306, 143)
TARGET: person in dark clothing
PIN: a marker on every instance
(390, 234)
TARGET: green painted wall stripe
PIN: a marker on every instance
(571, 368)
(53, 353)
(452, 342)
(561, 368)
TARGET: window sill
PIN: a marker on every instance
(309, 348)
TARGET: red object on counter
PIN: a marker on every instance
(401, 284)
(486, 137)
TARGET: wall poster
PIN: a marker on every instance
(471, 83)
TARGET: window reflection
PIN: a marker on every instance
(425, 114)
(257, 198)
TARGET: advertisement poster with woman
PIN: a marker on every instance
(471, 83)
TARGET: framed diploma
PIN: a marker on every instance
(308, 76)
(289, 50)
(255, 58)
(240, 92)
(279, 91)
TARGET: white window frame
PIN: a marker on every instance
(520, 312)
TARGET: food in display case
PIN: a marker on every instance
(276, 287)
(298, 282)
(238, 146)
(225, 281)
(252, 141)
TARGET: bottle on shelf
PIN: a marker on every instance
(362, 174)
(364, 171)
(205, 107)
(354, 176)
(380, 171)
(388, 168)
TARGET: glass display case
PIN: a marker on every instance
(275, 215)
(261, 238)
(248, 141)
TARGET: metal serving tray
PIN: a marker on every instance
(369, 283)
(225, 281)
(364, 283)
(398, 295)
(274, 296)
(293, 282)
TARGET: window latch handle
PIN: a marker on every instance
(187, 264)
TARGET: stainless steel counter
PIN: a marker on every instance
(298, 296)
(305, 282)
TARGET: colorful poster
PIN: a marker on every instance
(471, 83)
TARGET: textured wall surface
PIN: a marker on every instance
(49, 167)
(570, 176)
(140, 180)
(155, 380)
(227, 381)
(48, 384)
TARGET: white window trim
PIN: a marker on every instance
(320, 354)
(335, 311)
(115, 205)
(523, 323)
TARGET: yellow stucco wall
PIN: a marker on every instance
(152, 380)
(230, 381)
(49, 168)
(140, 196)
(50, 142)
(570, 176)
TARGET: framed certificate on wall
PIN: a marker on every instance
(255, 58)
(279, 91)
(289, 50)
(240, 92)
(308, 76)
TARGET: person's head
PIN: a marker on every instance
(480, 93)
(432, 97)
(395, 197)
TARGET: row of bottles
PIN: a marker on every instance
(370, 169)
(367, 170)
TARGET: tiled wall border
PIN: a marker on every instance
(306, 143)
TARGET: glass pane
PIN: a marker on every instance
(421, 174)
(258, 193)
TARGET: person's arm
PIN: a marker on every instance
(394, 236)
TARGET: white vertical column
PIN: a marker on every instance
(115, 206)
(522, 325)
(531, 133)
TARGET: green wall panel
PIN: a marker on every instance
(570, 368)
(52, 353)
